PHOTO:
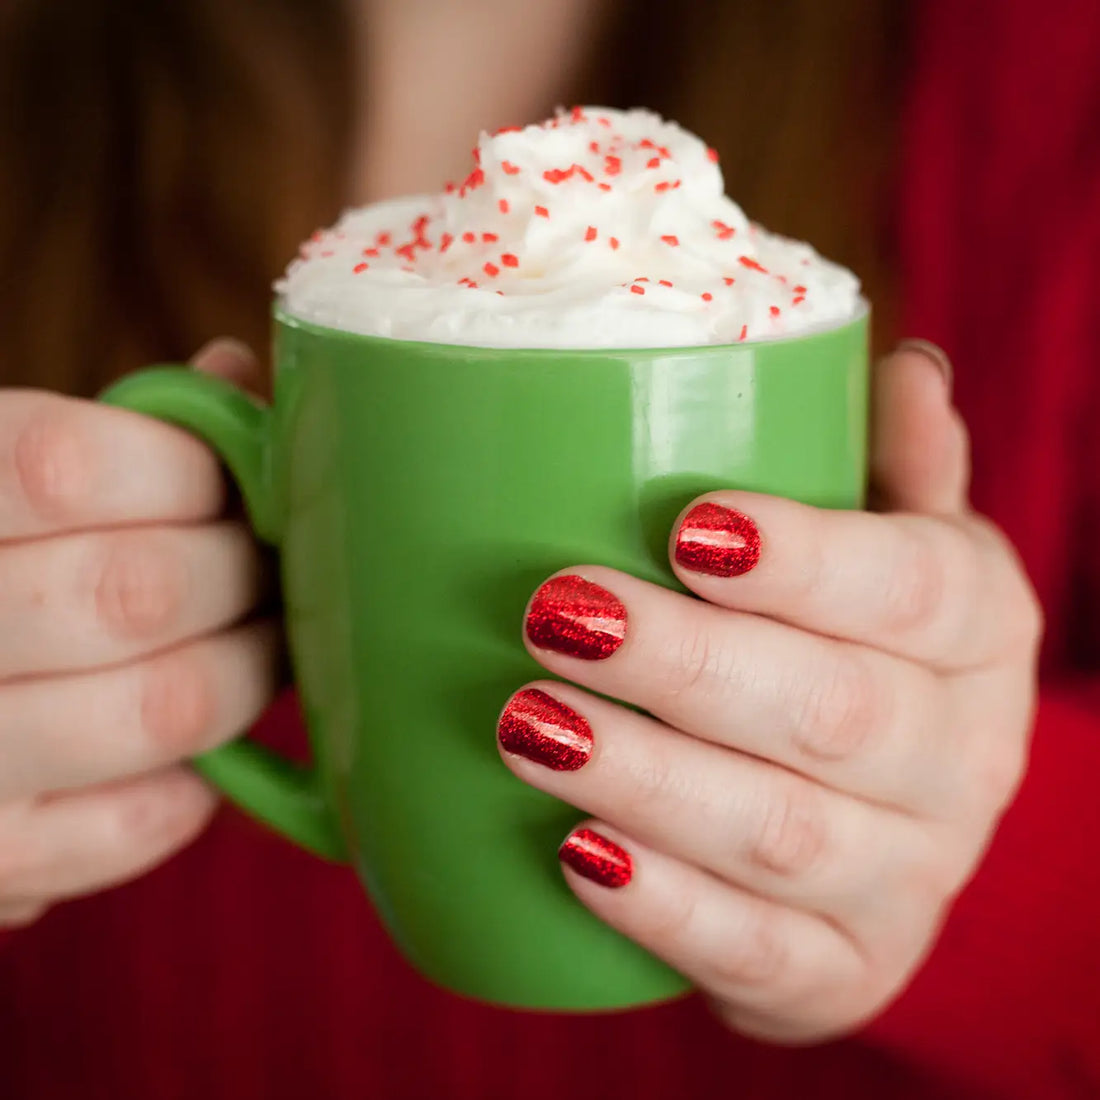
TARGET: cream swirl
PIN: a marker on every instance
(597, 228)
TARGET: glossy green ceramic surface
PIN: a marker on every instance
(418, 494)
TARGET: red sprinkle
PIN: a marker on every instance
(491, 270)
(664, 185)
(604, 186)
(728, 280)
(744, 332)
(594, 146)
(799, 299)
(773, 310)
(450, 187)
(635, 289)
(370, 252)
(665, 282)
(712, 155)
(508, 130)
(474, 180)
(724, 231)
(582, 172)
(653, 162)
(642, 279)
(604, 121)
(407, 250)
(577, 115)
(489, 238)
(557, 175)
(646, 143)
(469, 237)
(706, 296)
(360, 268)
(749, 262)
(590, 233)
(542, 211)
(670, 238)
(503, 206)
(382, 240)
(510, 259)
(445, 242)
(612, 166)
(509, 168)
(800, 290)
(614, 242)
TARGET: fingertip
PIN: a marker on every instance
(231, 359)
(931, 353)
(917, 462)
(714, 537)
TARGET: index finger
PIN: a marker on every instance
(947, 592)
(69, 465)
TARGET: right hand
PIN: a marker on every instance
(124, 648)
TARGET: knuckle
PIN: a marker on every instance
(1027, 618)
(178, 705)
(156, 818)
(674, 925)
(15, 917)
(914, 593)
(757, 956)
(840, 710)
(789, 838)
(999, 774)
(18, 868)
(49, 465)
(938, 870)
(141, 588)
(699, 666)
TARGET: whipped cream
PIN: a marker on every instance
(595, 229)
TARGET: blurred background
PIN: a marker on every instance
(160, 163)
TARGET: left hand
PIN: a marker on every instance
(837, 726)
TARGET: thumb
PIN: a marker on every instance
(920, 450)
(235, 362)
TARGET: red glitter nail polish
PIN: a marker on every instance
(718, 541)
(576, 617)
(597, 858)
(539, 727)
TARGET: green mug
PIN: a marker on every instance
(418, 494)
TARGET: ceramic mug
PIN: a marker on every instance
(418, 494)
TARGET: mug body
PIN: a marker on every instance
(423, 492)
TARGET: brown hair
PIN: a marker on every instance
(159, 163)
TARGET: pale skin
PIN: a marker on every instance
(834, 735)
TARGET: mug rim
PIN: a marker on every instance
(283, 317)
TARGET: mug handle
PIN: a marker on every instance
(281, 794)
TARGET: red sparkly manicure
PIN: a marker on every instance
(576, 617)
(718, 541)
(538, 727)
(597, 858)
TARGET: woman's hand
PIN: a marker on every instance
(123, 649)
(832, 731)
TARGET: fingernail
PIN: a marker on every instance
(720, 542)
(576, 617)
(596, 858)
(933, 352)
(539, 727)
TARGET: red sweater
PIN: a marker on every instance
(246, 970)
